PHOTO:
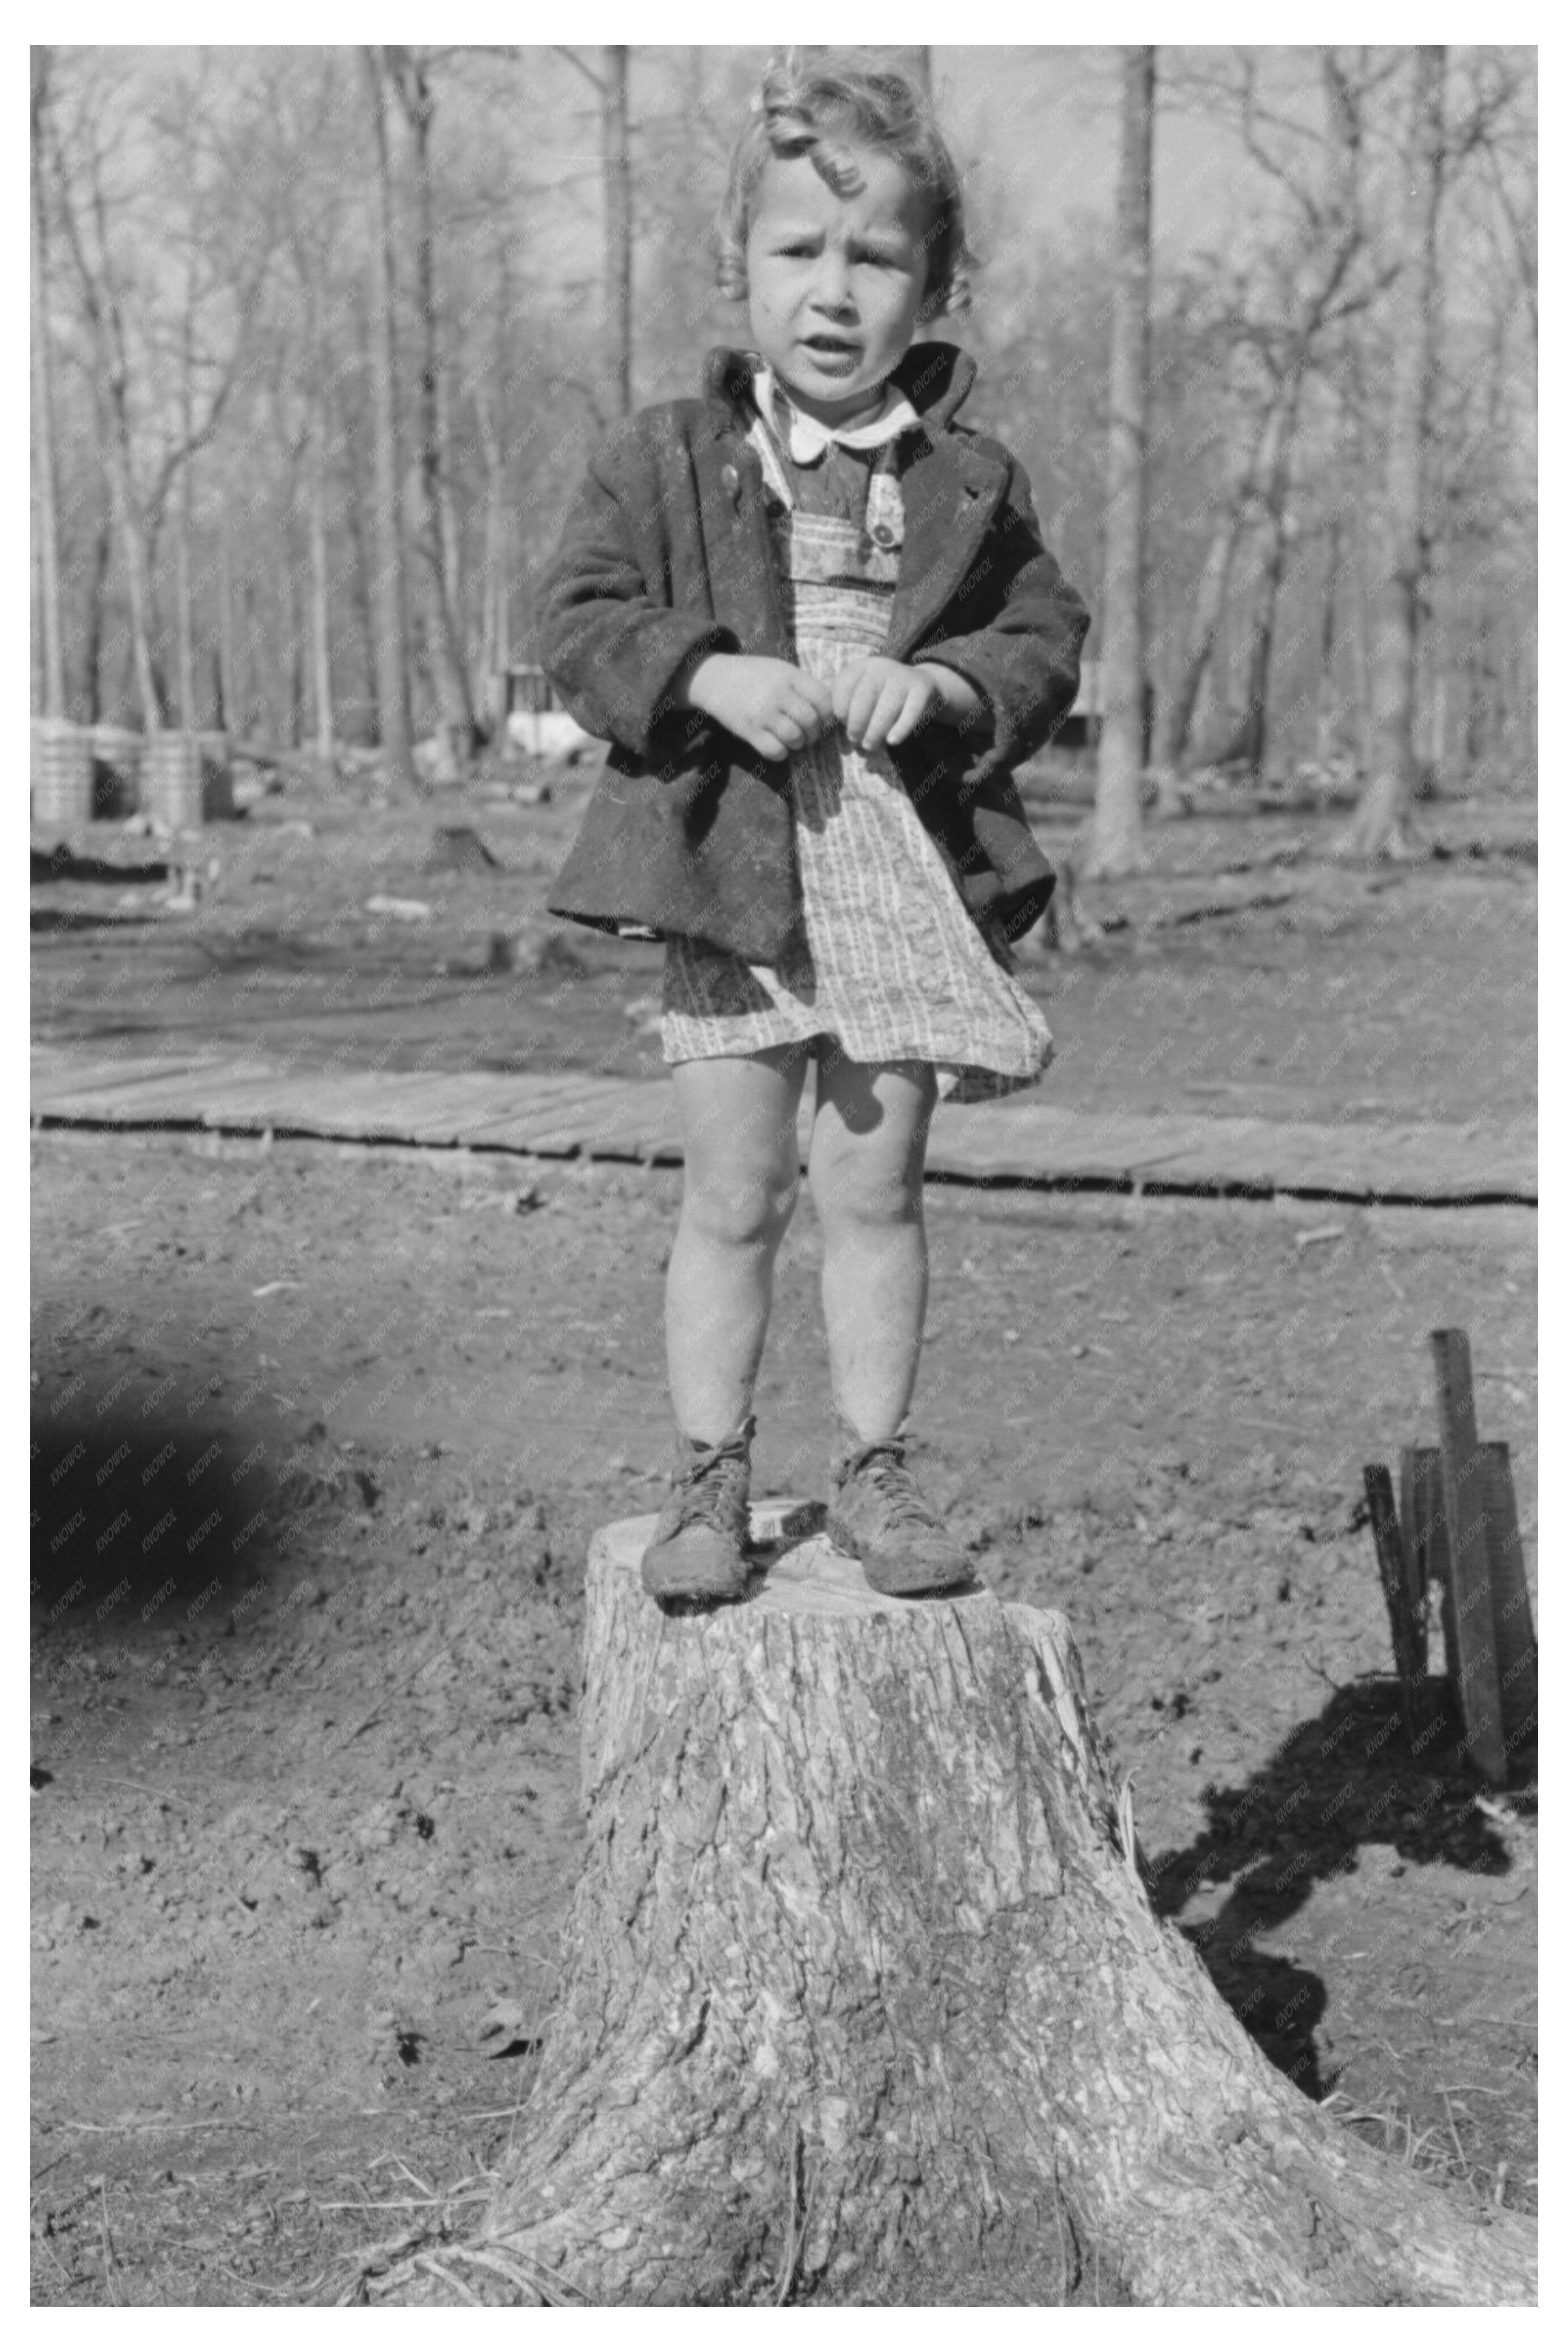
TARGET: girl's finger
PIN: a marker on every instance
(889, 708)
(862, 705)
(843, 689)
(916, 703)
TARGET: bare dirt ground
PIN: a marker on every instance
(320, 1435)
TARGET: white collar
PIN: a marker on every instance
(808, 439)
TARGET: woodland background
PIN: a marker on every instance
(323, 335)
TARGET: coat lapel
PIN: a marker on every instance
(951, 490)
(732, 506)
(950, 494)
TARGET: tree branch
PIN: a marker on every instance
(586, 71)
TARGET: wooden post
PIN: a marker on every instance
(1511, 1628)
(1426, 1538)
(1474, 1665)
(1408, 1627)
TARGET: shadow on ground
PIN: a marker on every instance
(1341, 1784)
(135, 1514)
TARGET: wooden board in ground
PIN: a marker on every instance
(150, 1099)
(1032, 1141)
(576, 1124)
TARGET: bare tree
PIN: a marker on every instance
(44, 459)
(614, 150)
(321, 607)
(1113, 845)
(1316, 290)
(410, 71)
(490, 407)
(85, 223)
(387, 589)
(460, 261)
(1377, 829)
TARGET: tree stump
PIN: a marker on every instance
(864, 2001)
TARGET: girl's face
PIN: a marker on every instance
(835, 282)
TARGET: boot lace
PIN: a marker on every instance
(710, 1487)
(883, 1468)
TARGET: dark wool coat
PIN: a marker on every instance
(666, 554)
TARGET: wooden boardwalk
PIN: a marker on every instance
(1026, 1141)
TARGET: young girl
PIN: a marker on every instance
(814, 617)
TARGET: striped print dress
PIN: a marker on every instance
(892, 966)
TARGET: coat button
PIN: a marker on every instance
(731, 481)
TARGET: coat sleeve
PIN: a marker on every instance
(1014, 631)
(612, 637)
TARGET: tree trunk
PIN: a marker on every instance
(1253, 745)
(133, 540)
(292, 732)
(617, 169)
(353, 518)
(320, 594)
(102, 302)
(1328, 710)
(1113, 845)
(321, 575)
(455, 725)
(1375, 830)
(496, 630)
(51, 632)
(394, 727)
(1208, 602)
(97, 599)
(185, 652)
(864, 2001)
(229, 714)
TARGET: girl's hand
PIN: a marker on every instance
(771, 705)
(881, 701)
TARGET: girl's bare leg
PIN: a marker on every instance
(742, 1180)
(867, 1170)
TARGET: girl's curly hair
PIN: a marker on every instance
(825, 107)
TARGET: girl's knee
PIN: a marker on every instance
(741, 1206)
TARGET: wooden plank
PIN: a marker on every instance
(1022, 1140)
(576, 1128)
(542, 1115)
(1409, 1649)
(358, 1103)
(1426, 1540)
(65, 1075)
(446, 1107)
(1476, 1681)
(152, 1102)
(626, 1127)
(1511, 1627)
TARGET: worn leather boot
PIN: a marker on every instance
(878, 1515)
(701, 1545)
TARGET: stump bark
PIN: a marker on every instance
(864, 2001)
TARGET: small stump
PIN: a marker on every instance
(864, 2001)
